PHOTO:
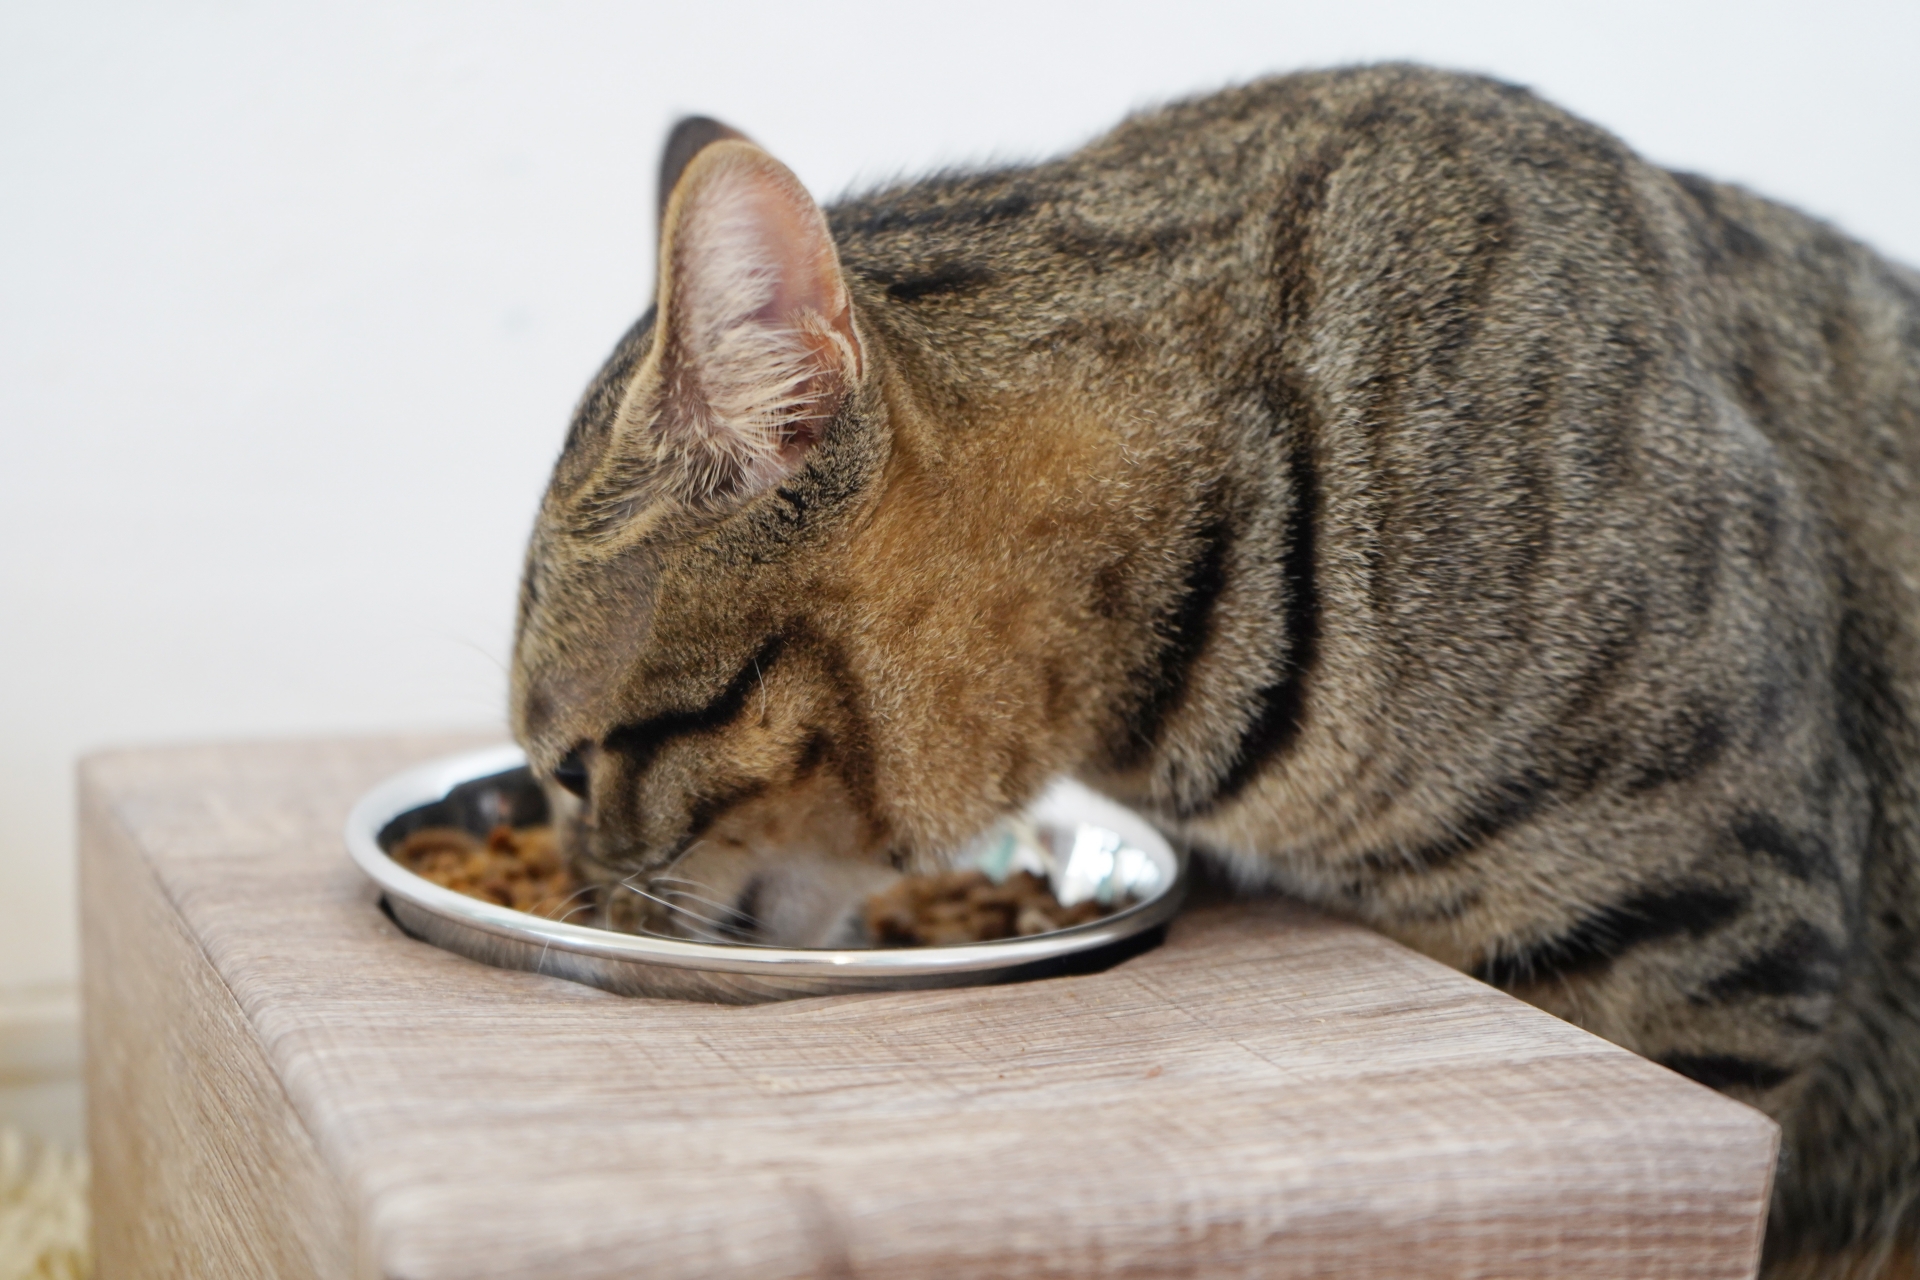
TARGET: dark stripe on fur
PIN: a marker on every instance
(845, 744)
(1679, 748)
(1505, 805)
(953, 277)
(1761, 835)
(1102, 248)
(1615, 624)
(641, 741)
(812, 754)
(1281, 704)
(1719, 237)
(1182, 635)
(1277, 722)
(1723, 1071)
(708, 809)
(1803, 962)
(1606, 935)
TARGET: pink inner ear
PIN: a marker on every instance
(746, 214)
(795, 236)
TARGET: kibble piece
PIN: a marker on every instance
(951, 907)
(522, 868)
(519, 868)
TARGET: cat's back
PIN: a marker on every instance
(1333, 217)
(1817, 339)
(1199, 230)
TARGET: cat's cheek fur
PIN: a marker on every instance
(991, 667)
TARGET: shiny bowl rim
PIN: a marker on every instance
(434, 779)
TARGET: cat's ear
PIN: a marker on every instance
(687, 139)
(757, 346)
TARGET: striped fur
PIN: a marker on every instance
(1390, 483)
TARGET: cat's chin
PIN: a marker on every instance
(814, 902)
(735, 895)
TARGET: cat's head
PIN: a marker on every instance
(775, 612)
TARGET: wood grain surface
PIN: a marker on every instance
(284, 1084)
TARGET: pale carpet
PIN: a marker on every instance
(43, 1210)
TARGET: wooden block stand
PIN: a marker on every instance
(284, 1085)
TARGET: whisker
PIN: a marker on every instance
(680, 857)
(631, 887)
(698, 935)
(732, 912)
(706, 934)
(693, 931)
(583, 889)
(691, 896)
(540, 966)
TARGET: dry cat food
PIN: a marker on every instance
(522, 868)
(966, 906)
(513, 867)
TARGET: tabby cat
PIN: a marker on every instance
(1382, 478)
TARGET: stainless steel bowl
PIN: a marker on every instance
(477, 789)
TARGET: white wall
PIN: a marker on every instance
(294, 300)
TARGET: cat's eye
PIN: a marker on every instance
(571, 773)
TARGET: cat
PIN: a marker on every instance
(1381, 478)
